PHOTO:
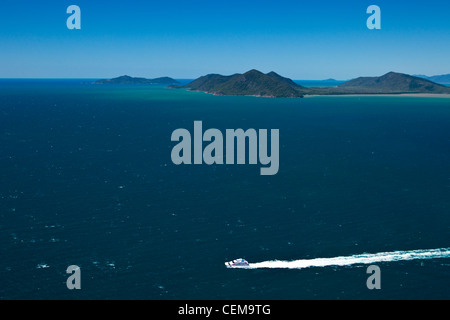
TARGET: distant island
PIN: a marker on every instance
(443, 78)
(393, 83)
(256, 83)
(131, 80)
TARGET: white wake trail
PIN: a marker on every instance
(355, 259)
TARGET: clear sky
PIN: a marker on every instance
(186, 39)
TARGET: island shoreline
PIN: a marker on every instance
(415, 95)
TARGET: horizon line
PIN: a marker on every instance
(193, 78)
(101, 78)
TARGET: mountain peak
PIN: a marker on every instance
(253, 72)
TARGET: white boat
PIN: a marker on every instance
(238, 263)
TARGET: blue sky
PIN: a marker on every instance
(186, 39)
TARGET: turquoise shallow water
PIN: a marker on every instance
(87, 179)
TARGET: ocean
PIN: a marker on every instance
(87, 180)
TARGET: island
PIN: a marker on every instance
(393, 83)
(256, 83)
(251, 83)
(132, 80)
(442, 79)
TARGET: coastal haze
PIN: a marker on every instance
(362, 173)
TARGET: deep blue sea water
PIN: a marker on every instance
(86, 179)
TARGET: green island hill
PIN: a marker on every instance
(256, 83)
